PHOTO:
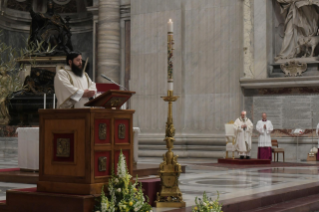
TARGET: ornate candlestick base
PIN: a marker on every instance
(170, 196)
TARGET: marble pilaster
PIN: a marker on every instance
(248, 27)
(108, 50)
(208, 62)
(262, 37)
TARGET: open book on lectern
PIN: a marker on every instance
(111, 99)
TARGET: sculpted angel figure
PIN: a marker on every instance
(51, 29)
(301, 20)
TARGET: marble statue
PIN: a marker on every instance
(307, 43)
(301, 27)
(51, 30)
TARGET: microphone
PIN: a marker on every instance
(109, 79)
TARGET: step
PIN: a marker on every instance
(183, 154)
(302, 197)
(184, 142)
(3, 206)
(182, 147)
(304, 204)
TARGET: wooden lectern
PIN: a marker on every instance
(79, 147)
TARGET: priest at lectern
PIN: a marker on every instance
(73, 87)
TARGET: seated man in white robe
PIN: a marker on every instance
(73, 87)
(264, 127)
(243, 133)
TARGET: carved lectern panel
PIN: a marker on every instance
(121, 131)
(63, 147)
(102, 160)
(115, 102)
(102, 131)
(102, 164)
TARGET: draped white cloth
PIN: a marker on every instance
(264, 139)
(28, 148)
(243, 136)
(317, 133)
(69, 88)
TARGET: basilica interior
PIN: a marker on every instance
(173, 80)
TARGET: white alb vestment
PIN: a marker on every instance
(243, 136)
(317, 133)
(264, 139)
(69, 88)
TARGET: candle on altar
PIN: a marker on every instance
(170, 26)
(53, 101)
(44, 100)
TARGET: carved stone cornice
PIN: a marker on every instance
(282, 82)
(291, 91)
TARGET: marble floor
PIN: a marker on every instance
(201, 176)
(232, 183)
(229, 183)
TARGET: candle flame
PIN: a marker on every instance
(170, 21)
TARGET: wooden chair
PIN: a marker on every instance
(277, 150)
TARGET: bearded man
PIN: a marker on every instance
(73, 87)
(243, 133)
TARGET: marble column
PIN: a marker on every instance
(108, 49)
(248, 27)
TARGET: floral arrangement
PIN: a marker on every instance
(124, 196)
(207, 204)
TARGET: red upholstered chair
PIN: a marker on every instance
(274, 143)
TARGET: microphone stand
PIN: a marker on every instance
(109, 79)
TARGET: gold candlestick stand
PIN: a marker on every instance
(170, 196)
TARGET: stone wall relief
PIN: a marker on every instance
(300, 36)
